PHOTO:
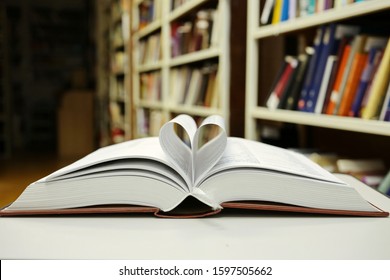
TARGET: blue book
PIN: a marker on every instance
(285, 8)
(311, 70)
(332, 37)
(365, 79)
(326, 48)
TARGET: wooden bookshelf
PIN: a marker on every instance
(294, 30)
(113, 71)
(214, 55)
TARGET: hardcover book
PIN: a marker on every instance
(161, 174)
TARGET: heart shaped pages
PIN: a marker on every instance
(194, 150)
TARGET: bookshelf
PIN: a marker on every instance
(177, 43)
(102, 13)
(113, 71)
(291, 37)
(5, 105)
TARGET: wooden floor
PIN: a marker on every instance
(17, 173)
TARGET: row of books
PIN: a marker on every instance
(149, 11)
(344, 73)
(197, 33)
(117, 89)
(276, 11)
(149, 122)
(150, 49)
(177, 3)
(117, 36)
(150, 86)
(117, 119)
(119, 62)
(194, 86)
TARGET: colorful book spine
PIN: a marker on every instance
(335, 92)
(326, 50)
(352, 83)
(277, 11)
(363, 83)
(312, 69)
(330, 64)
(379, 84)
(385, 113)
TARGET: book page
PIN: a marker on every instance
(206, 153)
(145, 148)
(179, 152)
(199, 155)
(241, 153)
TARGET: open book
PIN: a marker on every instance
(190, 171)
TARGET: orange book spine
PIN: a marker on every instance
(358, 63)
(335, 92)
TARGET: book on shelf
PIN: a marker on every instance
(150, 86)
(266, 13)
(293, 95)
(288, 87)
(378, 87)
(149, 11)
(283, 82)
(374, 58)
(338, 93)
(335, 72)
(309, 78)
(329, 69)
(330, 41)
(276, 11)
(359, 63)
(170, 178)
(150, 49)
(385, 112)
(194, 34)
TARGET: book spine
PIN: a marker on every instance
(352, 83)
(312, 69)
(385, 112)
(330, 64)
(363, 83)
(335, 91)
(327, 47)
(267, 11)
(378, 87)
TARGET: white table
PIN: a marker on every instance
(233, 236)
